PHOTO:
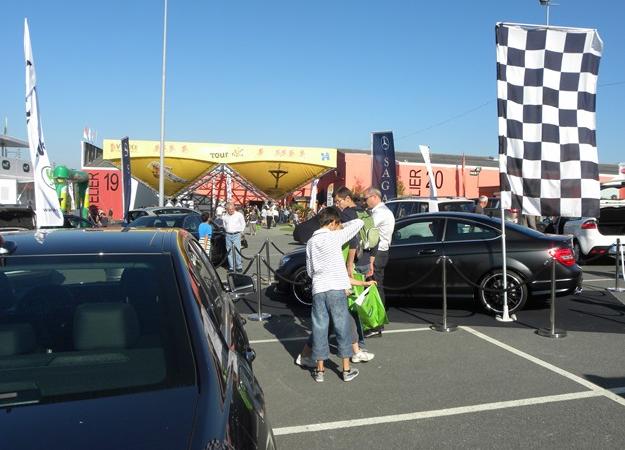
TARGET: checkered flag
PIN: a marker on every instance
(546, 95)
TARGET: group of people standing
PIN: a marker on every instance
(99, 218)
(331, 272)
(332, 279)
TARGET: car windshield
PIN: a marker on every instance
(158, 221)
(83, 326)
(467, 206)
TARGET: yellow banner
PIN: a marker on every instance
(224, 153)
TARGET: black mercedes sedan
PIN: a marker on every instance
(123, 339)
(473, 244)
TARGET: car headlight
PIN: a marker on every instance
(285, 259)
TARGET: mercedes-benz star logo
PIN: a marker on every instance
(385, 143)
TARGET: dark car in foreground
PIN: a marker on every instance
(473, 243)
(189, 222)
(123, 339)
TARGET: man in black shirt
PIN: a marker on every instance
(344, 200)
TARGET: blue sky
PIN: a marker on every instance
(315, 73)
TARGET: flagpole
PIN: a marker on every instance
(161, 173)
(505, 316)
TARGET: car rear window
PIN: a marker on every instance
(467, 206)
(171, 221)
(133, 215)
(17, 218)
(84, 326)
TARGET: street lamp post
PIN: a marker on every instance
(161, 172)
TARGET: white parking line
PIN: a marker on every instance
(303, 338)
(592, 386)
(433, 413)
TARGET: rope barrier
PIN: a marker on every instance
(414, 283)
(293, 282)
(276, 247)
(242, 255)
(249, 265)
(467, 280)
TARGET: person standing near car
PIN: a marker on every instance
(384, 221)
(269, 217)
(330, 283)
(344, 200)
(94, 216)
(252, 219)
(234, 225)
(275, 211)
(481, 205)
(205, 232)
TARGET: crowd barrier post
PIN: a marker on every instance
(444, 327)
(258, 316)
(619, 255)
(552, 332)
(268, 260)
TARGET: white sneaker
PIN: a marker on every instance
(305, 361)
(362, 356)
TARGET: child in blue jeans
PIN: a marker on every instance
(330, 283)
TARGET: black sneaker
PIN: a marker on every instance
(377, 332)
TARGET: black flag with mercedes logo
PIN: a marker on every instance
(383, 172)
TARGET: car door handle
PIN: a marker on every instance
(429, 251)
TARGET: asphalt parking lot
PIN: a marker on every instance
(487, 385)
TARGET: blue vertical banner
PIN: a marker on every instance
(383, 172)
(126, 178)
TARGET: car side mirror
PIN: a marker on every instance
(240, 285)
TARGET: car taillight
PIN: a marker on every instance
(589, 225)
(564, 256)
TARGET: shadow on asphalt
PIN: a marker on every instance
(609, 382)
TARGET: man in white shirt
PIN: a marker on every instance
(384, 220)
(234, 225)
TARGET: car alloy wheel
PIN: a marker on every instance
(577, 251)
(302, 292)
(493, 301)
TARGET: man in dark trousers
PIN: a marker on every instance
(344, 200)
(384, 221)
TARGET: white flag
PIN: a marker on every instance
(425, 152)
(228, 188)
(313, 194)
(47, 207)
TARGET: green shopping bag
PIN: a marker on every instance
(366, 302)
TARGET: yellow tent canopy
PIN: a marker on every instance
(276, 171)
